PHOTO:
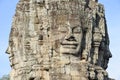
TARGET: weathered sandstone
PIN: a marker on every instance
(59, 40)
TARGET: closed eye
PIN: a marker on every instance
(76, 29)
(63, 29)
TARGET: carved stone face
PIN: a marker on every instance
(107, 57)
(13, 46)
(11, 50)
(71, 42)
(68, 36)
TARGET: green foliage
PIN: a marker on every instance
(5, 77)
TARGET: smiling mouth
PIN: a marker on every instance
(11, 57)
(70, 45)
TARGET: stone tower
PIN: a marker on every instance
(59, 40)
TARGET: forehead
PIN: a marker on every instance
(71, 20)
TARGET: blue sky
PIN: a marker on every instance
(7, 9)
(112, 10)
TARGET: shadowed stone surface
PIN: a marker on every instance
(59, 40)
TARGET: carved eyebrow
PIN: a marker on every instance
(76, 27)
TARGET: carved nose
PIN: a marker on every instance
(8, 50)
(110, 55)
(70, 38)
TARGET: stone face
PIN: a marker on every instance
(59, 40)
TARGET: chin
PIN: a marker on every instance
(68, 51)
